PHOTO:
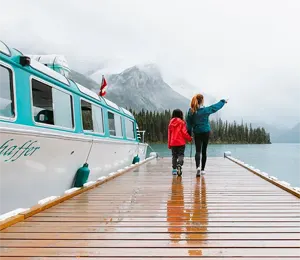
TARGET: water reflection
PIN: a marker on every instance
(175, 210)
(197, 227)
(188, 222)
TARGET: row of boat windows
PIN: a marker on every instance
(52, 106)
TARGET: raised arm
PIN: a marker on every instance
(215, 107)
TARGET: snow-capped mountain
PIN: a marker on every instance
(138, 87)
(84, 81)
(142, 87)
(180, 85)
(113, 68)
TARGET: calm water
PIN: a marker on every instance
(280, 160)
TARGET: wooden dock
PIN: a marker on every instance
(148, 213)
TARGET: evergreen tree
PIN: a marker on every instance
(156, 126)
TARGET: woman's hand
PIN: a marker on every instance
(225, 100)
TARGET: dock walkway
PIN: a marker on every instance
(147, 213)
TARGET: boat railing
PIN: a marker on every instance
(141, 136)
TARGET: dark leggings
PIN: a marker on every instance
(201, 142)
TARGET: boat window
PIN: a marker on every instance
(111, 124)
(118, 123)
(6, 93)
(86, 115)
(51, 106)
(115, 124)
(63, 109)
(97, 119)
(130, 133)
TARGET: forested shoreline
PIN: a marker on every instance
(156, 126)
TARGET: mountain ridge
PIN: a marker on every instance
(290, 136)
(147, 90)
(137, 87)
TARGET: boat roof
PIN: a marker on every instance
(36, 64)
(51, 59)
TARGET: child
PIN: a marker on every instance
(177, 136)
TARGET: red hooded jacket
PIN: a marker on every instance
(177, 133)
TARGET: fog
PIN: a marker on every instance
(245, 50)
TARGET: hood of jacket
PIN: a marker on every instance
(175, 122)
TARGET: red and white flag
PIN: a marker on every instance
(103, 87)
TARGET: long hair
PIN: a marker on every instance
(177, 113)
(196, 101)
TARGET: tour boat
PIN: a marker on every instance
(50, 126)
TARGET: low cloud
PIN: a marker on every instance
(247, 50)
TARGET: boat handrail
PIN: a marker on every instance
(141, 138)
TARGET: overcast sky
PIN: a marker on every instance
(247, 50)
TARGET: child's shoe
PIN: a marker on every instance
(179, 170)
(202, 172)
(174, 172)
(198, 172)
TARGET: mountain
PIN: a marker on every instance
(274, 130)
(179, 85)
(279, 134)
(142, 87)
(290, 136)
(84, 81)
(138, 87)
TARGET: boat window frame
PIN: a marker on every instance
(57, 127)
(133, 128)
(102, 110)
(13, 91)
(120, 115)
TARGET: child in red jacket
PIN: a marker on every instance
(177, 136)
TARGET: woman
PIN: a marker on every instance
(198, 122)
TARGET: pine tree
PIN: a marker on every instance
(156, 126)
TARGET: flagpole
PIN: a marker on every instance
(102, 91)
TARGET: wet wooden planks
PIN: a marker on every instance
(143, 258)
(228, 213)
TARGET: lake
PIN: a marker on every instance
(279, 160)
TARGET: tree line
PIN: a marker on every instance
(156, 126)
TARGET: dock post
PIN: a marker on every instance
(226, 154)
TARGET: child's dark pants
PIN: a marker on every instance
(177, 155)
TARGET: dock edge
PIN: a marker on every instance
(281, 184)
(17, 215)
